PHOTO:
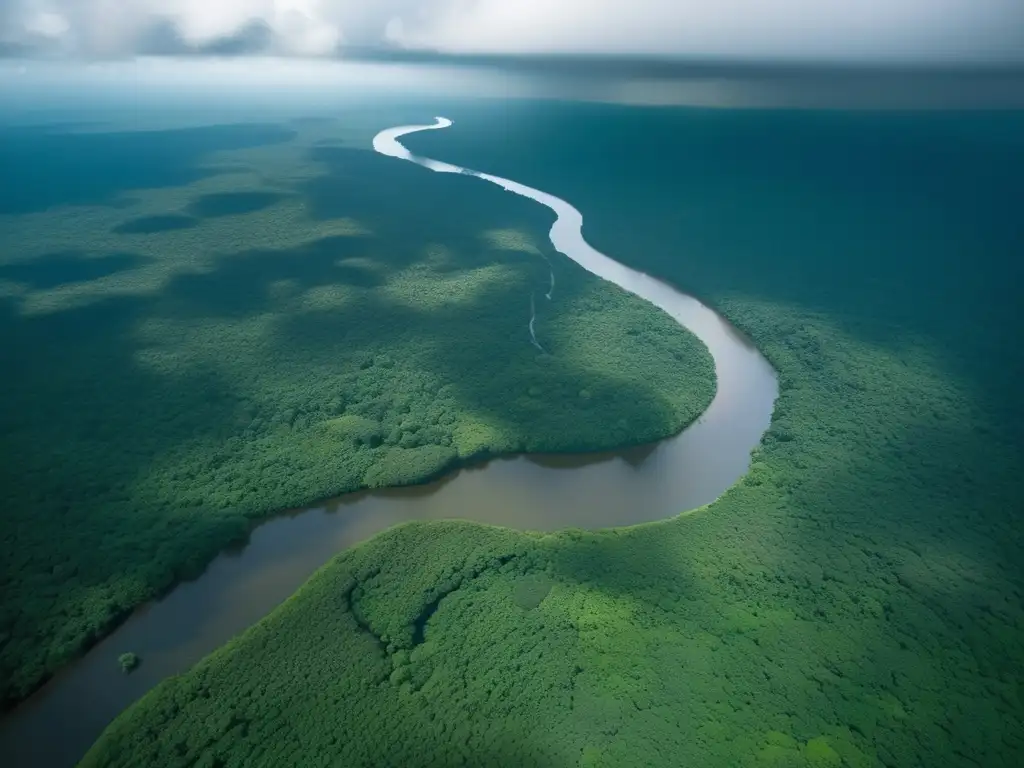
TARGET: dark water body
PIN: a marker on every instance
(56, 725)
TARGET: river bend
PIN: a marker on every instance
(54, 727)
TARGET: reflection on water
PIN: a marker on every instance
(634, 456)
(545, 492)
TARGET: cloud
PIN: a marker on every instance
(164, 38)
(854, 29)
(945, 30)
(119, 28)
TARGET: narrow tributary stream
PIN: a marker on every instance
(55, 727)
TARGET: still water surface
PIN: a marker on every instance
(541, 492)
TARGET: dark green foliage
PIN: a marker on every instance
(530, 591)
(156, 405)
(128, 661)
(45, 169)
(53, 270)
(855, 600)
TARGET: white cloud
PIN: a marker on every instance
(854, 29)
(305, 27)
(104, 28)
(791, 28)
(200, 21)
(47, 24)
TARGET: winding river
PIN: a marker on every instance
(56, 726)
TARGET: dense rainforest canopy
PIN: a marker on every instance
(202, 326)
(855, 600)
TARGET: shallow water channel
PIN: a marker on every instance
(57, 725)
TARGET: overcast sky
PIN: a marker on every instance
(887, 30)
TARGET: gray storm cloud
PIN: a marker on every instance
(922, 30)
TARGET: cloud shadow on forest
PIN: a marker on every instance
(81, 413)
(53, 270)
(241, 283)
(48, 169)
(409, 206)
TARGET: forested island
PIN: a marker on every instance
(204, 326)
(855, 600)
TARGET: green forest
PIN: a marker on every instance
(204, 326)
(855, 600)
